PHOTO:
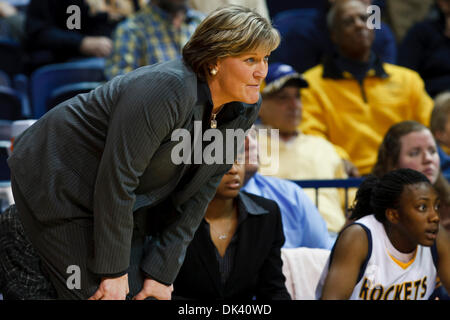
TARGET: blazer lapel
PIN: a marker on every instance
(247, 248)
(206, 253)
(203, 172)
(244, 254)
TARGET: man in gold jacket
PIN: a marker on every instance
(353, 98)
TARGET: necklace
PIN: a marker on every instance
(213, 118)
(220, 235)
(213, 121)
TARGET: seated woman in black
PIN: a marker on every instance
(236, 251)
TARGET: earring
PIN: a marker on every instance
(213, 71)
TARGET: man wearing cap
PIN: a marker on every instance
(301, 156)
(353, 98)
(303, 226)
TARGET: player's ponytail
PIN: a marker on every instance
(375, 195)
(363, 200)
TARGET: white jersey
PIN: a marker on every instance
(383, 277)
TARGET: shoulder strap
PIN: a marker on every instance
(369, 251)
(435, 255)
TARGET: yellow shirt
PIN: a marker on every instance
(335, 110)
(307, 157)
(445, 149)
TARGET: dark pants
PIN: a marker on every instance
(34, 258)
(21, 272)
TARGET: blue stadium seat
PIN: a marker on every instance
(5, 173)
(4, 79)
(5, 129)
(6, 196)
(11, 57)
(46, 79)
(68, 91)
(331, 183)
(20, 84)
(10, 104)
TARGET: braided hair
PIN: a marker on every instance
(375, 195)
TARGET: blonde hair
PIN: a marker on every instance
(228, 31)
(440, 112)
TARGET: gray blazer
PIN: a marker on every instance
(89, 163)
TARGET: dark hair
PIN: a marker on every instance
(375, 195)
(389, 153)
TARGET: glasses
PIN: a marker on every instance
(349, 21)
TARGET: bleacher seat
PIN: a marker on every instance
(20, 84)
(5, 129)
(5, 80)
(11, 57)
(10, 104)
(46, 79)
(68, 91)
(6, 196)
(19, 126)
(5, 173)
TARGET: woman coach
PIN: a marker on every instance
(94, 175)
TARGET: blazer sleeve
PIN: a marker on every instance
(271, 282)
(141, 117)
(165, 254)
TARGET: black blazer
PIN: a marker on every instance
(257, 268)
(88, 164)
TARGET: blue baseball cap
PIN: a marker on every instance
(280, 75)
